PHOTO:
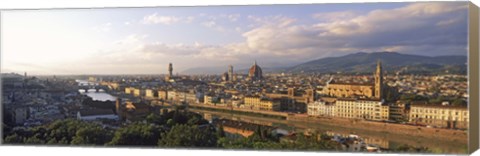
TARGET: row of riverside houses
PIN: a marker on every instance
(344, 103)
(418, 113)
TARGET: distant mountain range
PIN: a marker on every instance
(364, 63)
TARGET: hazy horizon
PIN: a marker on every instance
(145, 40)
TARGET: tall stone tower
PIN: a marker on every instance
(230, 72)
(379, 81)
(170, 69)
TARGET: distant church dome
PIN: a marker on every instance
(255, 72)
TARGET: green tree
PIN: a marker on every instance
(220, 131)
(178, 116)
(459, 102)
(92, 135)
(270, 142)
(137, 134)
(170, 122)
(155, 119)
(52, 141)
(189, 136)
(438, 100)
(412, 97)
(14, 139)
(36, 139)
(61, 132)
(239, 143)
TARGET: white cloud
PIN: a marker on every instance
(410, 17)
(189, 19)
(415, 25)
(155, 18)
(271, 20)
(218, 22)
(333, 16)
(230, 17)
(213, 25)
(159, 19)
(238, 29)
(234, 17)
(209, 24)
(106, 27)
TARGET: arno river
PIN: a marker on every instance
(100, 96)
(385, 140)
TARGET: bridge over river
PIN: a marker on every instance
(92, 86)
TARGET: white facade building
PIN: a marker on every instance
(321, 108)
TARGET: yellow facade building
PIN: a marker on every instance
(129, 90)
(162, 94)
(439, 115)
(150, 93)
(256, 102)
(138, 92)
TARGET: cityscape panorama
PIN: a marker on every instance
(357, 77)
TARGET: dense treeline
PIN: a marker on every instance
(62, 132)
(171, 125)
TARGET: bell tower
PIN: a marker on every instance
(170, 69)
(230, 73)
(378, 81)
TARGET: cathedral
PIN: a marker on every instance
(255, 72)
(367, 90)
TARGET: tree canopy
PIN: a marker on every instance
(62, 132)
(184, 135)
(137, 134)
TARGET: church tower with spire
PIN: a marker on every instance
(378, 81)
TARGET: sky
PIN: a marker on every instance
(145, 40)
